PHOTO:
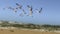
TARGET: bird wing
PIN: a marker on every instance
(24, 11)
(19, 6)
(40, 10)
(30, 13)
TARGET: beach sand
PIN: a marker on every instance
(22, 31)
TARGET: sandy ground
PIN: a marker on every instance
(20, 31)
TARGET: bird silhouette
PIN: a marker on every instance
(40, 10)
(21, 15)
(19, 6)
(28, 6)
(30, 10)
(23, 11)
(14, 9)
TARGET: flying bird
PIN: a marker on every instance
(21, 15)
(28, 6)
(19, 6)
(40, 10)
(14, 9)
(30, 10)
(23, 11)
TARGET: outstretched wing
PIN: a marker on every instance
(21, 15)
(23, 11)
(28, 6)
(14, 9)
(19, 6)
(30, 10)
(40, 10)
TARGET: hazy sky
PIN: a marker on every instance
(49, 15)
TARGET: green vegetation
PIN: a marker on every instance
(30, 26)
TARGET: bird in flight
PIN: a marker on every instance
(30, 10)
(19, 6)
(14, 9)
(39, 10)
(23, 11)
(22, 14)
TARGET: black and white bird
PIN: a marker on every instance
(39, 10)
(30, 10)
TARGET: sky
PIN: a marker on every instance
(50, 13)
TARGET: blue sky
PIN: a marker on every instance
(49, 15)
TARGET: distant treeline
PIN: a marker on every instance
(30, 26)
